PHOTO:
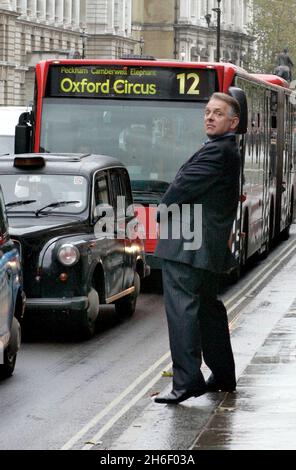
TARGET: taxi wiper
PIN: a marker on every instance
(19, 203)
(55, 204)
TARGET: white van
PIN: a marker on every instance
(9, 116)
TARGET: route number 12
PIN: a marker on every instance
(188, 83)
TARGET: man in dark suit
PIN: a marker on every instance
(197, 320)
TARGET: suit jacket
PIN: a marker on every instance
(210, 178)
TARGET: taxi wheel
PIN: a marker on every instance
(127, 305)
(7, 368)
(89, 316)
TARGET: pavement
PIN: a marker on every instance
(261, 415)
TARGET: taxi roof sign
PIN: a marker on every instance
(36, 161)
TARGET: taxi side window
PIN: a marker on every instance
(127, 192)
(101, 190)
(115, 185)
(118, 193)
(101, 193)
(121, 187)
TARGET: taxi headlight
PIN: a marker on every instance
(68, 255)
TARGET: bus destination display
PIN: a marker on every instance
(156, 83)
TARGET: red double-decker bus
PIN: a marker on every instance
(149, 115)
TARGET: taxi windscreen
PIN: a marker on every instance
(32, 192)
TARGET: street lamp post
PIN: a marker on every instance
(83, 36)
(141, 43)
(218, 11)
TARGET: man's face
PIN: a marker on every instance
(219, 119)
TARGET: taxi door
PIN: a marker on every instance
(109, 249)
(130, 224)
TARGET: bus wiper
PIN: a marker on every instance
(149, 186)
(146, 191)
(19, 203)
(55, 204)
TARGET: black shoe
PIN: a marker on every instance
(214, 386)
(176, 396)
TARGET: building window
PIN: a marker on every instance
(193, 8)
(245, 13)
(21, 6)
(82, 12)
(30, 7)
(58, 11)
(32, 42)
(67, 11)
(233, 12)
(23, 50)
(40, 9)
(50, 10)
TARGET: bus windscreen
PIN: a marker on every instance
(152, 138)
(131, 81)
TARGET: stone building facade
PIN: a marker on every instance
(187, 29)
(109, 28)
(32, 30)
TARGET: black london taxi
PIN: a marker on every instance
(79, 247)
(12, 298)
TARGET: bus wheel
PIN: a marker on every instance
(285, 234)
(244, 253)
(269, 241)
(127, 305)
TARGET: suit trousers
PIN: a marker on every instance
(198, 326)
